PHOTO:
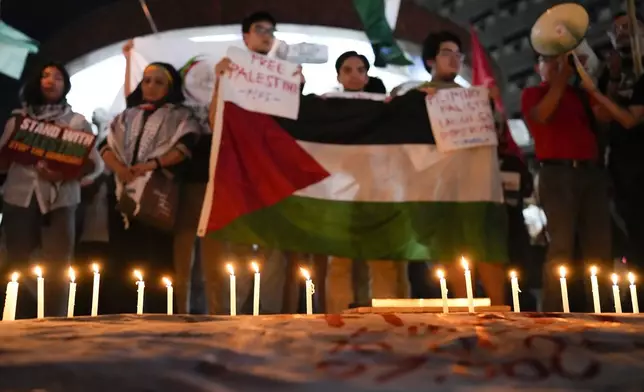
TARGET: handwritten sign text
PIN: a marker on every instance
(461, 118)
(262, 84)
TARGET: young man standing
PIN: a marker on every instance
(443, 59)
(573, 185)
(349, 281)
(278, 269)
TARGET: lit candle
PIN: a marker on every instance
(97, 284)
(616, 298)
(564, 289)
(40, 293)
(168, 285)
(636, 306)
(72, 293)
(468, 285)
(441, 277)
(514, 283)
(11, 298)
(140, 291)
(255, 289)
(233, 290)
(595, 289)
(310, 289)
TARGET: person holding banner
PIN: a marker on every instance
(279, 269)
(443, 59)
(46, 149)
(355, 282)
(153, 136)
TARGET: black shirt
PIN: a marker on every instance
(626, 145)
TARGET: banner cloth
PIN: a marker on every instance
(392, 352)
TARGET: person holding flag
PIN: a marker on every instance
(443, 59)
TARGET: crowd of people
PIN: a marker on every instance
(59, 222)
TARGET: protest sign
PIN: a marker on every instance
(461, 118)
(64, 149)
(261, 84)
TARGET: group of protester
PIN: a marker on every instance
(49, 219)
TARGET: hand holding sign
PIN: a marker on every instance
(224, 65)
(45, 173)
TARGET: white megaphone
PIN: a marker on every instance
(562, 29)
(302, 53)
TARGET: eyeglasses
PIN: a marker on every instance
(449, 53)
(262, 30)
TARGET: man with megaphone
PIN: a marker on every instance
(573, 185)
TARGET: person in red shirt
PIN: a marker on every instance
(573, 184)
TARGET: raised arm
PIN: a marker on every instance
(543, 111)
(628, 117)
(127, 52)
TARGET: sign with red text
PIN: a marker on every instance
(461, 118)
(262, 84)
(65, 150)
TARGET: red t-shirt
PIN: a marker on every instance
(568, 134)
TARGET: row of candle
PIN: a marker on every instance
(11, 297)
(514, 283)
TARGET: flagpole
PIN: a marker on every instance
(148, 16)
(218, 126)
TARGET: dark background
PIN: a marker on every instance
(69, 28)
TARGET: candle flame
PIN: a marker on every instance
(138, 275)
(513, 274)
(255, 267)
(464, 263)
(305, 273)
(614, 278)
(95, 268)
(440, 273)
(167, 281)
(230, 269)
(38, 271)
(72, 275)
(562, 271)
(14, 277)
(631, 277)
(593, 270)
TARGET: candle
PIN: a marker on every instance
(595, 289)
(140, 291)
(11, 298)
(40, 292)
(468, 285)
(310, 289)
(72, 293)
(636, 306)
(514, 283)
(168, 285)
(255, 289)
(233, 290)
(616, 298)
(564, 289)
(97, 284)
(441, 277)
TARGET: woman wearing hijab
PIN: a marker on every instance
(39, 203)
(155, 132)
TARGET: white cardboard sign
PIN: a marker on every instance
(461, 118)
(262, 84)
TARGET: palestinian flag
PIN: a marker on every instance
(354, 178)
